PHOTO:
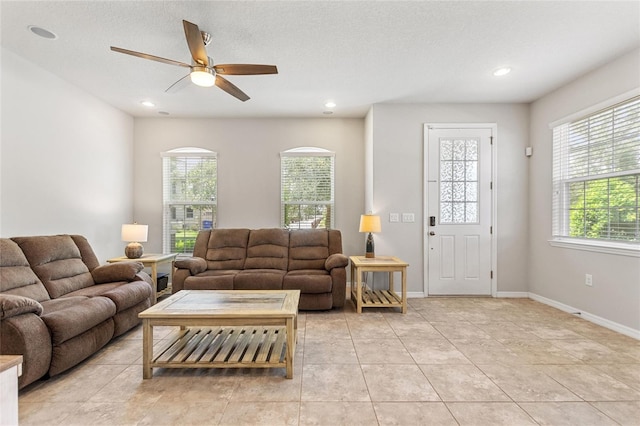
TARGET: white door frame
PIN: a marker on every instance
(494, 198)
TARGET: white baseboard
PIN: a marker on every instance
(611, 325)
(513, 294)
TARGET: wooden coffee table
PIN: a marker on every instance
(223, 329)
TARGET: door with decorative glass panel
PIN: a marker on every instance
(459, 210)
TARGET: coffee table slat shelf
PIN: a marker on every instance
(224, 348)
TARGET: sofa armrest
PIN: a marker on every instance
(195, 265)
(121, 271)
(11, 306)
(143, 276)
(336, 260)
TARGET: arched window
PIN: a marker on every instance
(189, 196)
(307, 188)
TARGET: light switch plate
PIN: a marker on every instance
(408, 217)
(394, 217)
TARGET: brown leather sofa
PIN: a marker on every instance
(309, 260)
(58, 305)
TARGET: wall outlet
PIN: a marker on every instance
(588, 280)
(394, 217)
(408, 217)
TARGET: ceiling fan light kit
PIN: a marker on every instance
(203, 76)
(203, 72)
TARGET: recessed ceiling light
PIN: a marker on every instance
(330, 104)
(502, 71)
(148, 104)
(39, 31)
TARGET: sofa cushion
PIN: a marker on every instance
(123, 294)
(57, 261)
(86, 252)
(308, 249)
(259, 279)
(129, 294)
(227, 248)
(268, 249)
(16, 276)
(308, 281)
(66, 321)
(209, 282)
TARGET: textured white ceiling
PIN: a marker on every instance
(355, 53)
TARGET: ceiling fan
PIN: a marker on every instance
(202, 70)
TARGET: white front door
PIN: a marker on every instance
(458, 228)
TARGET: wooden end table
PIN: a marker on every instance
(152, 261)
(369, 298)
(223, 329)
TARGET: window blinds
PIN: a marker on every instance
(307, 189)
(596, 163)
(189, 197)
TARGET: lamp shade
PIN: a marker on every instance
(135, 233)
(370, 223)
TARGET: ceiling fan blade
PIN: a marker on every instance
(195, 42)
(179, 85)
(150, 57)
(230, 88)
(245, 69)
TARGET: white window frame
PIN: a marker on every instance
(561, 181)
(307, 152)
(169, 204)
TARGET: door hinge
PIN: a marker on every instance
(490, 185)
(491, 274)
(491, 230)
(491, 139)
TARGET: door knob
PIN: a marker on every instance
(432, 233)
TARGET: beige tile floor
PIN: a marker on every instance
(448, 361)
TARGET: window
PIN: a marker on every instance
(596, 176)
(307, 188)
(459, 180)
(189, 195)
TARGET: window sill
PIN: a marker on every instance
(608, 247)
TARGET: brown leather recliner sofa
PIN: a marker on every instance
(309, 260)
(58, 305)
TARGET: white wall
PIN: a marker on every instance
(398, 182)
(558, 273)
(249, 168)
(66, 163)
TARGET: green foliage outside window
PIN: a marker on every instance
(605, 209)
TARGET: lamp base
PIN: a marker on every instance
(369, 248)
(133, 250)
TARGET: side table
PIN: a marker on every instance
(368, 298)
(152, 261)
(10, 370)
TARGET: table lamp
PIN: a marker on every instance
(370, 223)
(134, 234)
